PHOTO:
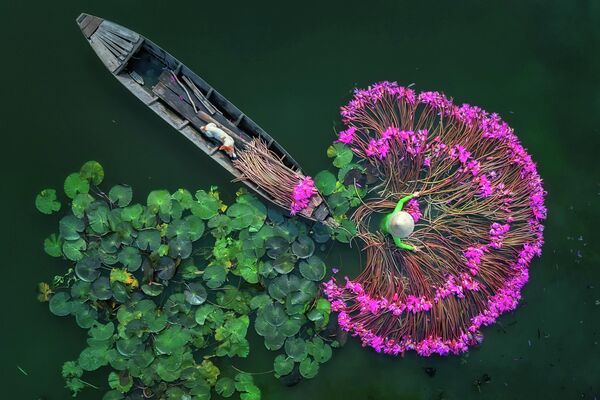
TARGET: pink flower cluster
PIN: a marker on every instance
(457, 288)
(412, 207)
(303, 191)
(347, 136)
(373, 94)
(378, 148)
(473, 255)
(497, 232)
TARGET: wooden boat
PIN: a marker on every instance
(180, 97)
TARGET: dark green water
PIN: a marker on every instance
(290, 66)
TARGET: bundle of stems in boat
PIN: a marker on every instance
(263, 167)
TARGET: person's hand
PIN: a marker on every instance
(416, 194)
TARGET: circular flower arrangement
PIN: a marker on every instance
(477, 203)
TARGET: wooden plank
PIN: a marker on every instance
(117, 52)
(220, 120)
(92, 24)
(121, 31)
(109, 60)
(205, 102)
(117, 40)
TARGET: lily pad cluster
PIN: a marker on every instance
(344, 189)
(170, 289)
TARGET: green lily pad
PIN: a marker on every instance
(80, 204)
(184, 197)
(46, 201)
(154, 289)
(171, 339)
(273, 314)
(73, 249)
(70, 227)
(101, 288)
(195, 294)
(92, 358)
(284, 264)
(85, 315)
(195, 227)
(295, 348)
(88, 269)
(281, 286)
(120, 382)
(215, 276)
(53, 246)
(98, 215)
(206, 205)
(260, 300)
(338, 204)
(319, 350)
(320, 233)
(159, 201)
(75, 184)
(60, 304)
(305, 291)
(113, 395)
(132, 213)
(313, 268)
(80, 290)
(309, 368)
(325, 181)
(225, 387)
(276, 246)
(258, 211)
(180, 247)
(346, 231)
(148, 240)
(121, 195)
(93, 172)
(292, 326)
(282, 365)
(341, 154)
(275, 341)
(303, 247)
(131, 258)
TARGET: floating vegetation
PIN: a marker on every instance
(169, 290)
(474, 199)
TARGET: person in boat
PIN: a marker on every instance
(212, 131)
(400, 224)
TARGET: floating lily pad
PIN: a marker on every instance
(80, 204)
(70, 227)
(80, 290)
(276, 246)
(273, 314)
(184, 197)
(159, 201)
(92, 358)
(325, 181)
(101, 288)
(88, 269)
(132, 213)
(346, 231)
(154, 289)
(171, 339)
(303, 247)
(131, 258)
(284, 264)
(319, 350)
(121, 195)
(225, 387)
(195, 294)
(148, 240)
(282, 365)
(206, 207)
(320, 233)
(98, 214)
(73, 249)
(341, 154)
(281, 286)
(260, 300)
(309, 368)
(214, 276)
(313, 268)
(180, 247)
(85, 315)
(60, 304)
(292, 326)
(120, 382)
(195, 227)
(53, 246)
(75, 184)
(295, 348)
(46, 201)
(93, 172)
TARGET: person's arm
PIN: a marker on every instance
(402, 245)
(403, 200)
